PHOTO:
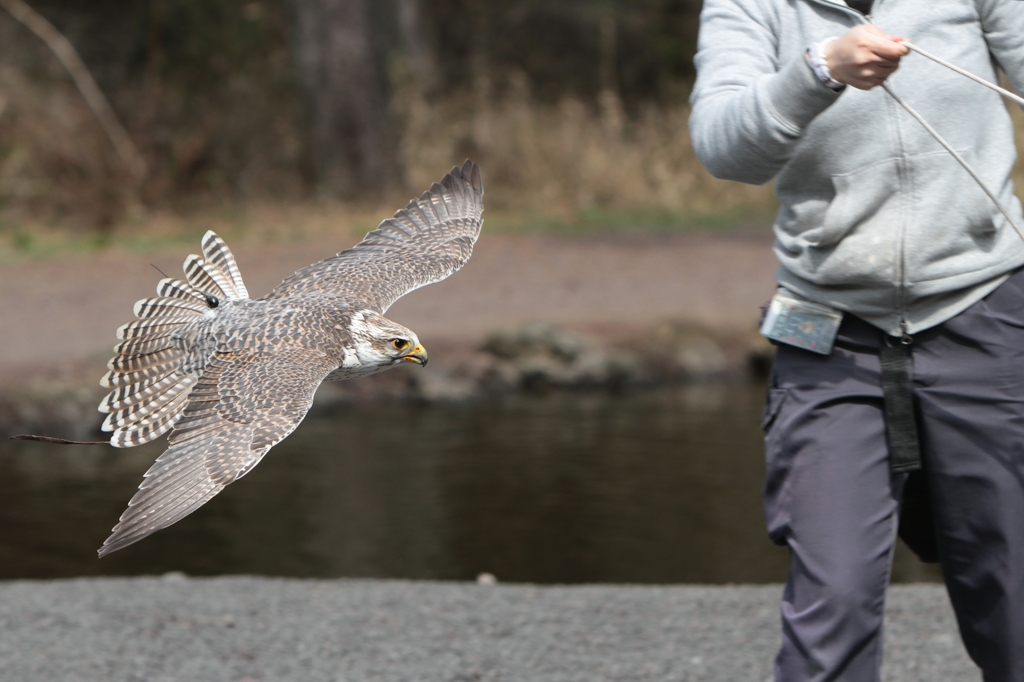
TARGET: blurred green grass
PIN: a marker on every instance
(345, 225)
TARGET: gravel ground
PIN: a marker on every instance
(246, 629)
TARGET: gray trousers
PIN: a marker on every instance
(830, 497)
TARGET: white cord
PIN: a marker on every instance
(963, 72)
(938, 138)
(949, 148)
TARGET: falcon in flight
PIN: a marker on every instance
(230, 376)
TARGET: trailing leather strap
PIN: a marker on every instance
(897, 392)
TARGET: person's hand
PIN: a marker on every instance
(864, 56)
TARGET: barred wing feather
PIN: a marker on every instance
(244, 404)
(428, 240)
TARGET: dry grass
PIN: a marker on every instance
(1018, 125)
(570, 158)
(548, 166)
(55, 161)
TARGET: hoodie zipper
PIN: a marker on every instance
(905, 338)
(901, 267)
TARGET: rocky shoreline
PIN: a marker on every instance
(532, 358)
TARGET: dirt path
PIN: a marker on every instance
(59, 315)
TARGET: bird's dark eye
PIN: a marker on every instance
(399, 344)
(212, 301)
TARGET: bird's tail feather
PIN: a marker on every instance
(148, 374)
(141, 361)
(219, 256)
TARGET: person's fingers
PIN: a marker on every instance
(885, 47)
(880, 42)
(868, 78)
(864, 56)
(874, 30)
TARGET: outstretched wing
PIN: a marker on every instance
(425, 242)
(243, 404)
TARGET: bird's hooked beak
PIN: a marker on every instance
(417, 354)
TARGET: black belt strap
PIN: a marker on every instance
(900, 424)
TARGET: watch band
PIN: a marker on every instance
(816, 55)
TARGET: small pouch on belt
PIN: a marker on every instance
(804, 324)
(897, 391)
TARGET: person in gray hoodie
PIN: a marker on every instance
(883, 232)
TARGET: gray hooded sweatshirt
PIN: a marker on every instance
(876, 218)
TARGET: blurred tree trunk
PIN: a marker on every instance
(355, 150)
(480, 68)
(608, 48)
(86, 84)
(417, 47)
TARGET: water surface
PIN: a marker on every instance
(656, 487)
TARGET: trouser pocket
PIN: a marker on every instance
(777, 467)
(772, 405)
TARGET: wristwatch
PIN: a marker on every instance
(819, 64)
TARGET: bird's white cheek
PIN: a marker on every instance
(366, 356)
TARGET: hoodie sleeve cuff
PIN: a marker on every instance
(797, 95)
